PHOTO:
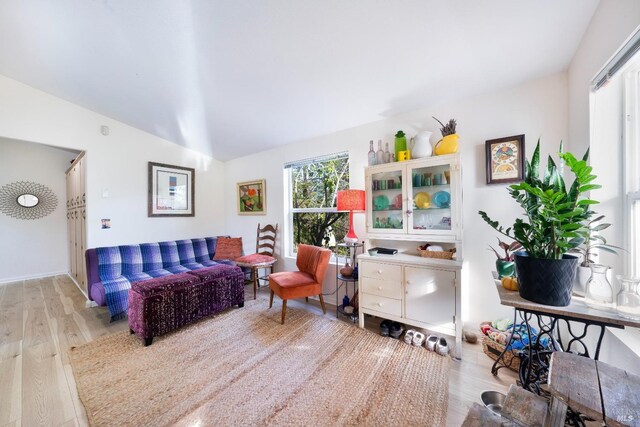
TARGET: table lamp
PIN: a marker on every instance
(351, 201)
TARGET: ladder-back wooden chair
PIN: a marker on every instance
(264, 257)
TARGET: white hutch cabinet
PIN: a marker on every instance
(408, 204)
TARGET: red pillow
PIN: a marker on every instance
(228, 248)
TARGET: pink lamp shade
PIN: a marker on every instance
(350, 201)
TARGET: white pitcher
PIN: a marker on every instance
(420, 145)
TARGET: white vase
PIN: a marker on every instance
(420, 145)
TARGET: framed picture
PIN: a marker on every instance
(252, 198)
(171, 190)
(505, 159)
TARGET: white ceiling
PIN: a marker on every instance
(233, 77)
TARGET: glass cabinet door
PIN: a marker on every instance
(430, 194)
(385, 201)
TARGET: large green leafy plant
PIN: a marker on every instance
(555, 216)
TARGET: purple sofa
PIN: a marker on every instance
(112, 270)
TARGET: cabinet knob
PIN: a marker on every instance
(408, 282)
(379, 288)
(406, 292)
(379, 304)
(379, 271)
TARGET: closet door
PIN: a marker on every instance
(72, 242)
(82, 276)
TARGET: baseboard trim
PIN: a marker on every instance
(6, 280)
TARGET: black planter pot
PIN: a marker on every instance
(546, 281)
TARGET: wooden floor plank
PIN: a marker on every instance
(37, 331)
(68, 335)
(11, 321)
(10, 390)
(46, 396)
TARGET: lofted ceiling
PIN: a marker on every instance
(229, 78)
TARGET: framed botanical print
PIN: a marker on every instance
(171, 190)
(252, 198)
(505, 159)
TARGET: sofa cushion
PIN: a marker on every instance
(169, 252)
(151, 257)
(228, 248)
(116, 295)
(137, 277)
(201, 250)
(109, 263)
(158, 272)
(177, 269)
(185, 251)
(131, 260)
(162, 284)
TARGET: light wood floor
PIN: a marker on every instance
(41, 319)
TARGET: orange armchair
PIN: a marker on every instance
(312, 263)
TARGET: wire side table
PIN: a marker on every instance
(351, 252)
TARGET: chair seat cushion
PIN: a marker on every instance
(293, 284)
(255, 260)
(162, 284)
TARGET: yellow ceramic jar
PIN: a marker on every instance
(447, 145)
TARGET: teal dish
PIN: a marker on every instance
(381, 203)
(441, 199)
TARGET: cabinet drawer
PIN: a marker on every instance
(383, 288)
(381, 304)
(382, 271)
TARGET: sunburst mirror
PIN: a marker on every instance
(27, 200)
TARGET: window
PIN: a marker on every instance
(313, 185)
(631, 163)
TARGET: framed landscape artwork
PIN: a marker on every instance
(505, 159)
(252, 198)
(171, 190)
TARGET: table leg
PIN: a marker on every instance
(254, 276)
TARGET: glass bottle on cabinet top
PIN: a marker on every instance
(372, 154)
(379, 154)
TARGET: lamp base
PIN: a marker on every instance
(350, 240)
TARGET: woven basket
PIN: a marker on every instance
(492, 349)
(437, 254)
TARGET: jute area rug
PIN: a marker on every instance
(243, 368)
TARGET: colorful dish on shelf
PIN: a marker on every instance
(442, 199)
(422, 200)
(397, 202)
(381, 203)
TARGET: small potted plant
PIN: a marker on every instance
(505, 265)
(449, 142)
(554, 223)
(593, 242)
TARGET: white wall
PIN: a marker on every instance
(34, 248)
(117, 163)
(537, 109)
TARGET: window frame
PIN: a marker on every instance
(288, 179)
(631, 172)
